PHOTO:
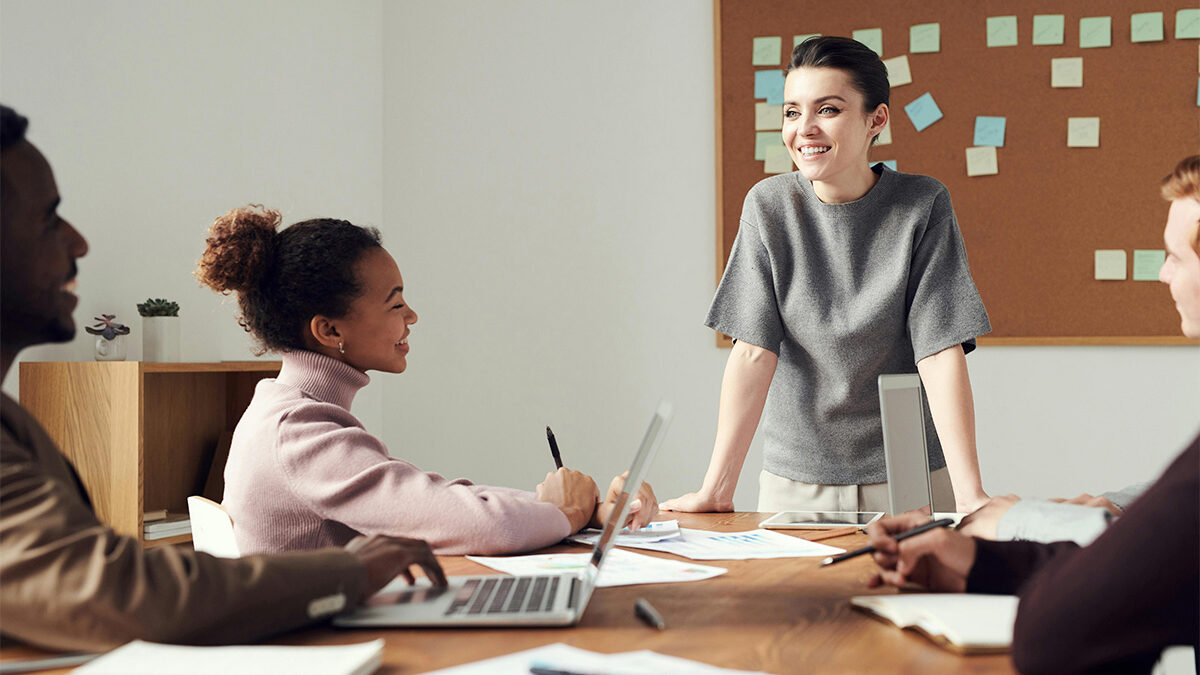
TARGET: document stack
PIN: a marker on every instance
(160, 525)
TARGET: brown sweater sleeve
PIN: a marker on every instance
(1113, 606)
(70, 582)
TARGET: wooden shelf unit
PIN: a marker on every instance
(141, 435)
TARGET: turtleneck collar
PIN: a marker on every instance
(321, 377)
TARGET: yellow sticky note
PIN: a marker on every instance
(1110, 265)
(898, 72)
(981, 161)
(797, 39)
(925, 38)
(767, 117)
(871, 37)
(1067, 72)
(778, 160)
(1083, 132)
(1146, 27)
(767, 51)
(885, 136)
(1048, 29)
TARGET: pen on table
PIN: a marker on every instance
(646, 612)
(553, 447)
(941, 522)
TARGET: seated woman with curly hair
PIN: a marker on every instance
(302, 472)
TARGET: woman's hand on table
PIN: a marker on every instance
(641, 511)
(698, 502)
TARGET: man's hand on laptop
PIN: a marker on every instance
(643, 509)
(386, 557)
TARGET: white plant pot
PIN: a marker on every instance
(110, 350)
(160, 338)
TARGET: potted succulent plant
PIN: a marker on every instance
(160, 329)
(110, 340)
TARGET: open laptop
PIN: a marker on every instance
(502, 600)
(902, 409)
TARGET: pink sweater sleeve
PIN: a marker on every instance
(346, 475)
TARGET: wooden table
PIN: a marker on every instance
(780, 616)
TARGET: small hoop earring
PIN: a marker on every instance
(341, 347)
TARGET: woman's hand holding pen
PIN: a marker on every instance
(573, 492)
(938, 560)
(641, 511)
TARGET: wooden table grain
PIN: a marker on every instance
(779, 616)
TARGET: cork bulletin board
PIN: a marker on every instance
(1033, 228)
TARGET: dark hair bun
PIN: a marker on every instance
(239, 250)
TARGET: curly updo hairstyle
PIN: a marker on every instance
(283, 278)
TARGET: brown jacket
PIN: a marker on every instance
(67, 581)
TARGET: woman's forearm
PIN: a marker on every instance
(948, 388)
(744, 390)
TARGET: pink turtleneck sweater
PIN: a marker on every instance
(303, 473)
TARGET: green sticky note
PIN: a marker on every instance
(1095, 31)
(925, 38)
(871, 37)
(1146, 264)
(764, 140)
(797, 39)
(777, 160)
(767, 51)
(1146, 27)
(1187, 24)
(1048, 29)
(1001, 31)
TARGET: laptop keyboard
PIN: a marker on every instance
(505, 595)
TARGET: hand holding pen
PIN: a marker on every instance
(938, 558)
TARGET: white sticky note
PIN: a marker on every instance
(778, 160)
(871, 37)
(981, 161)
(767, 117)
(1048, 29)
(1083, 132)
(1110, 265)
(898, 72)
(1066, 72)
(885, 136)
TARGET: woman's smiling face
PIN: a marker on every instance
(825, 128)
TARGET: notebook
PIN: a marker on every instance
(966, 623)
(148, 658)
(552, 599)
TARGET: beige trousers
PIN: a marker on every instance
(776, 493)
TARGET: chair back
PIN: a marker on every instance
(212, 528)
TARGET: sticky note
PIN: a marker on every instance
(1082, 132)
(925, 38)
(768, 84)
(1187, 24)
(871, 37)
(1001, 31)
(1146, 27)
(982, 161)
(1066, 72)
(923, 111)
(1197, 92)
(889, 163)
(898, 72)
(764, 140)
(885, 136)
(1048, 29)
(777, 160)
(797, 39)
(767, 51)
(1146, 264)
(1095, 31)
(990, 131)
(1110, 265)
(767, 117)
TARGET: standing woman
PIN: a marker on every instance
(840, 273)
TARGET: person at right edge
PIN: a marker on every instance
(841, 272)
(1112, 606)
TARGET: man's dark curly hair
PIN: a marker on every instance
(284, 278)
(12, 127)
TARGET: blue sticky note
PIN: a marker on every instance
(768, 84)
(889, 163)
(923, 111)
(989, 131)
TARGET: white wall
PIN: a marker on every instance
(543, 172)
(157, 117)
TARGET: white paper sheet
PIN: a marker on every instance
(751, 544)
(564, 657)
(621, 568)
(149, 658)
(656, 531)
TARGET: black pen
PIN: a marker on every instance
(941, 522)
(646, 612)
(553, 447)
